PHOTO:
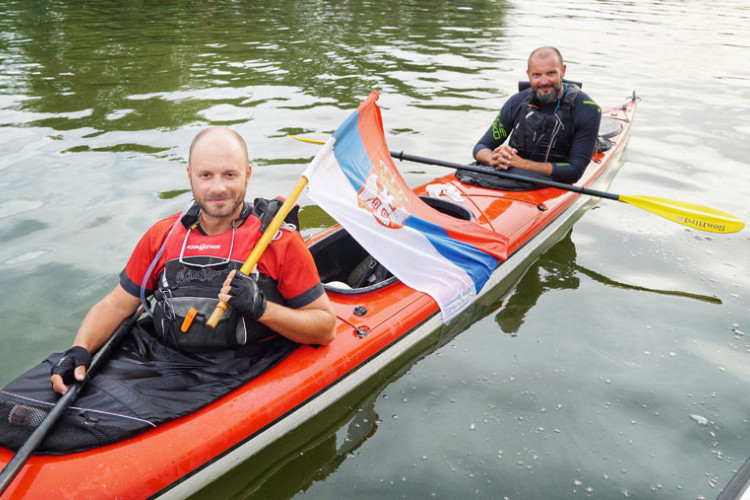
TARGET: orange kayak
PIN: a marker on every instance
(378, 322)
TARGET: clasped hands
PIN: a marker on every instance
(504, 157)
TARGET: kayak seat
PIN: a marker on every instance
(368, 272)
(345, 267)
(608, 127)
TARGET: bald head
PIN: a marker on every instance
(219, 138)
(544, 53)
(219, 172)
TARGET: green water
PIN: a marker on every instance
(617, 366)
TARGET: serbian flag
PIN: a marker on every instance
(353, 178)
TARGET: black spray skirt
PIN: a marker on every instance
(143, 384)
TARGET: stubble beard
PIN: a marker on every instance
(225, 211)
(548, 97)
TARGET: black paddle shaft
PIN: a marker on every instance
(507, 175)
(15, 465)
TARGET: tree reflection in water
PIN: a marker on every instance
(557, 269)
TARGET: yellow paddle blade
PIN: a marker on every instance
(311, 141)
(687, 214)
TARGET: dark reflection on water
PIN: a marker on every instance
(126, 66)
(557, 269)
(306, 455)
(21, 228)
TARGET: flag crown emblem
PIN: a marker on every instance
(383, 198)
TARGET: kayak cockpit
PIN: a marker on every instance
(347, 268)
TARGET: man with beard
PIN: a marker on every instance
(189, 261)
(553, 125)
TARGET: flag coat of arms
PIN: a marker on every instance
(353, 178)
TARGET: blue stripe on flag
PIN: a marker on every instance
(477, 264)
(350, 152)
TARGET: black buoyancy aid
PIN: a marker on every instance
(545, 137)
(196, 268)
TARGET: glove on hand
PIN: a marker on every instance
(246, 297)
(72, 358)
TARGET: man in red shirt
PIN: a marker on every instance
(197, 248)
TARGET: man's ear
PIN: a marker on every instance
(564, 67)
(249, 171)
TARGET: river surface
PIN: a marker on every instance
(618, 365)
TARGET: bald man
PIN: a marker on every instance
(188, 262)
(552, 125)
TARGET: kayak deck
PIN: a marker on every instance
(376, 325)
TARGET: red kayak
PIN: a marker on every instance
(379, 319)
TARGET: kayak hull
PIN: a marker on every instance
(375, 329)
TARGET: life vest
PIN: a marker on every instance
(195, 270)
(545, 137)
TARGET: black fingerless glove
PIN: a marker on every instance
(72, 358)
(246, 297)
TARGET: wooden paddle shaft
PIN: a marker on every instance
(260, 247)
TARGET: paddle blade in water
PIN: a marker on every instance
(687, 214)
